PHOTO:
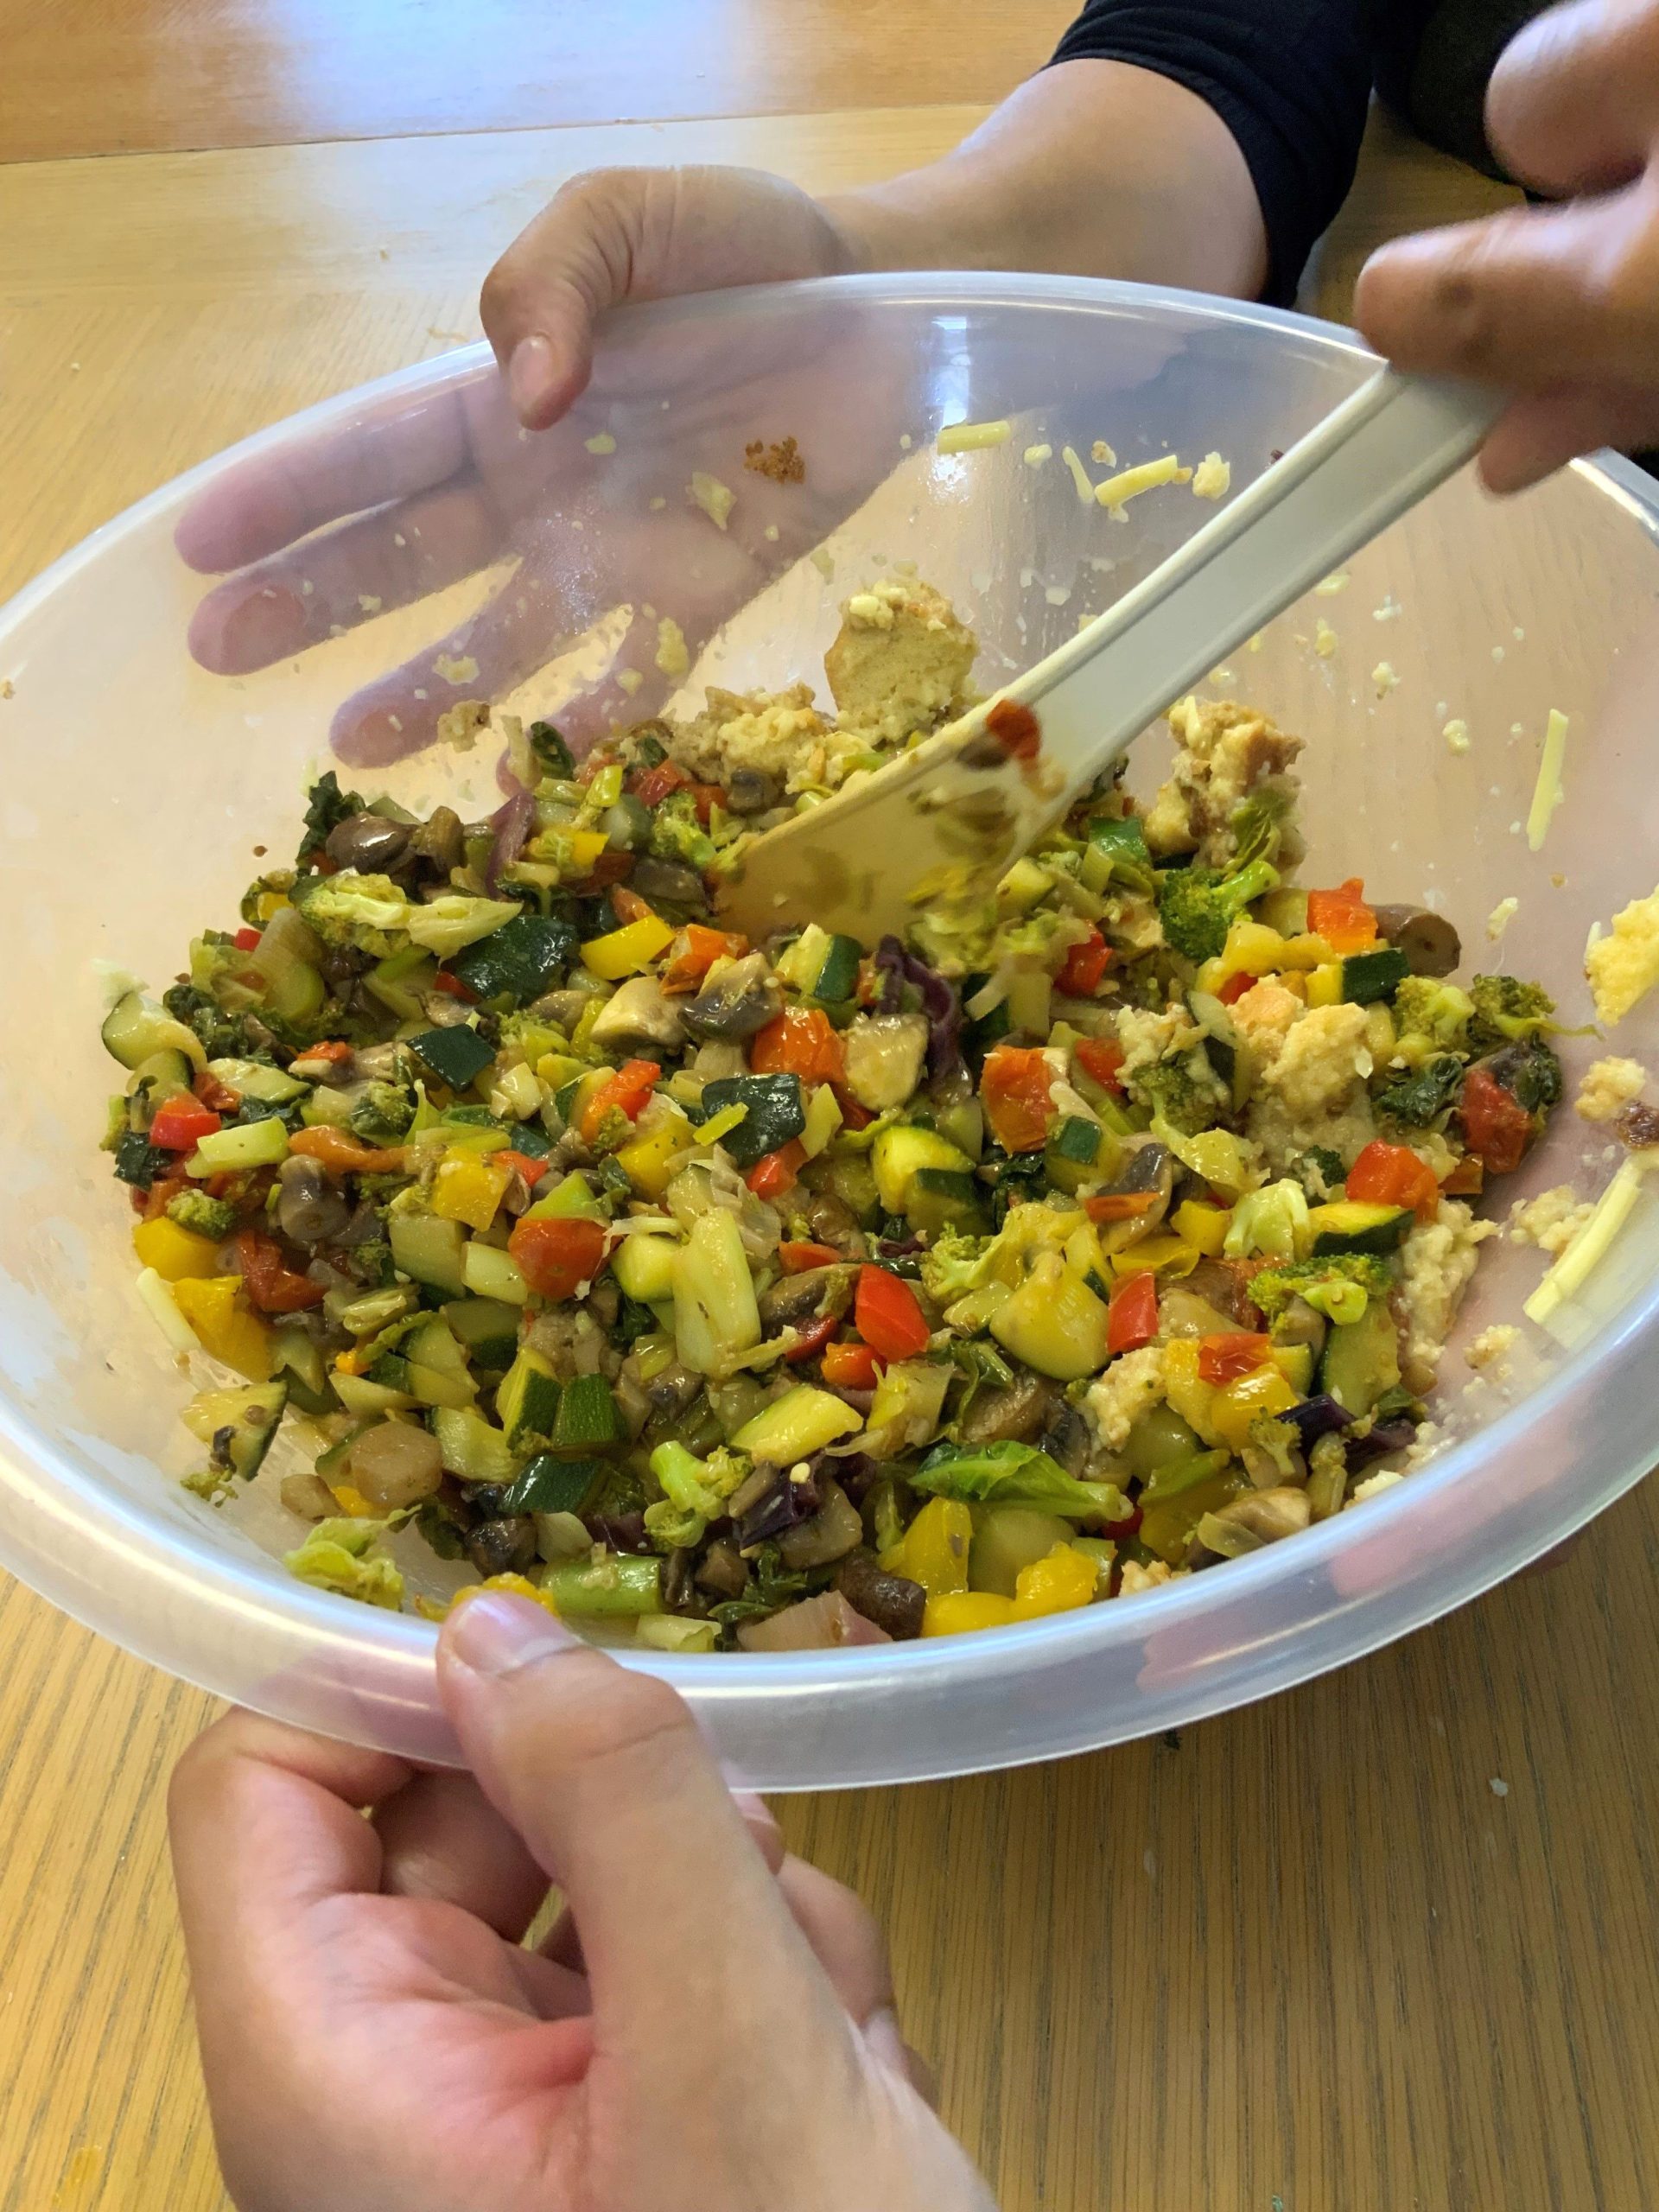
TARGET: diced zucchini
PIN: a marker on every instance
(774, 1112)
(715, 1313)
(527, 1403)
(899, 1154)
(136, 1027)
(519, 961)
(545, 1484)
(400, 982)
(237, 1425)
(1008, 1538)
(367, 1400)
(588, 1419)
(572, 1196)
(1295, 1364)
(255, 1079)
(1054, 1323)
(457, 1057)
(1362, 1359)
(838, 977)
(1072, 1154)
(430, 1250)
(619, 1584)
(800, 964)
(675, 1632)
(940, 1201)
(164, 1075)
(492, 1273)
(486, 1329)
(296, 1354)
(295, 992)
(643, 1266)
(1367, 977)
(795, 1425)
(438, 1373)
(472, 1448)
(1349, 1225)
(244, 1144)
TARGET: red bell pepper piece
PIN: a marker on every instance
(626, 1091)
(1342, 917)
(779, 1171)
(244, 940)
(889, 1316)
(799, 1041)
(557, 1253)
(181, 1125)
(851, 1366)
(341, 1153)
(695, 951)
(334, 1050)
(525, 1163)
(607, 871)
(1132, 1316)
(1496, 1125)
(1013, 1089)
(812, 1338)
(1084, 965)
(1235, 988)
(1119, 1206)
(1393, 1175)
(218, 1097)
(795, 1258)
(854, 1114)
(1101, 1061)
(451, 986)
(1230, 1354)
(652, 785)
(272, 1286)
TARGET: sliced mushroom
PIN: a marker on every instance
(752, 791)
(885, 1055)
(439, 843)
(722, 1573)
(834, 1530)
(1009, 1416)
(309, 1208)
(667, 883)
(1430, 944)
(564, 1008)
(739, 998)
(503, 1547)
(1260, 1517)
(1149, 1173)
(832, 1220)
(814, 1291)
(638, 1014)
(1301, 1324)
(367, 842)
(894, 1602)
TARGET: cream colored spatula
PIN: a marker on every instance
(949, 817)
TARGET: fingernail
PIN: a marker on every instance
(498, 1634)
(530, 375)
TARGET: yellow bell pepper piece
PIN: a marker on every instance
(626, 950)
(584, 847)
(1304, 953)
(1164, 1255)
(1252, 949)
(174, 1253)
(1191, 1397)
(1265, 1391)
(959, 1612)
(651, 1161)
(519, 1584)
(1202, 1225)
(1059, 1584)
(468, 1189)
(934, 1550)
(225, 1329)
(1324, 985)
(352, 1501)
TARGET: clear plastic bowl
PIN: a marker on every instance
(135, 785)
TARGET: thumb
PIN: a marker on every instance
(616, 235)
(603, 1773)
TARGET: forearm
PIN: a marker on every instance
(1094, 167)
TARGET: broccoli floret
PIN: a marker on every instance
(1258, 825)
(951, 1267)
(1430, 1016)
(1197, 905)
(552, 751)
(1278, 1442)
(327, 806)
(1273, 1288)
(202, 1215)
(1415, 1099)
(1320, 1171)
(222, 1034)
(1530, 1073)
(676, 834)
(382, 1111)
(1187, 1093)
(340, 1556)
(1507, 1011)
(353, 912)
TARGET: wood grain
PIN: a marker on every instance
(1310, 1958)
(104, 76)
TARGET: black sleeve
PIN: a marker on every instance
(1290, 78)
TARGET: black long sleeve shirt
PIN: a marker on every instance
(1291, 78)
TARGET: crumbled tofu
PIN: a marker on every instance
(1134, 1578)
(671, 655)
(1129, 483)
(1623, 966)
(1131, 1386)
(1324, 639)
(900, 661)
(1079, 474)
(1500, 917)
(1388, 612)
(1213, 478)
(716, 499)
(458, 725)
(1328, 587)
(1436, 1261)
(770, 533)
(600, 443)
(1147, 1038)
(1264, 1015)
(1492, 1348)
(821, 559)
(462, 669)
(658, 504)
(630, 679)
(1608, 1088)
(1551, 1220)
(370, 601)
(1385, 678)
(1374, 1485)
(1456, 735)
(1322, 1058)
(1224, 752)
(973, 437)
(1101, 452)
(780, 732)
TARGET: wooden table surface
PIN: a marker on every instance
(1387, 1943)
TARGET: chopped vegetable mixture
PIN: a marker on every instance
(806, 1292)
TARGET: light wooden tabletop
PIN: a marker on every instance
(1387, 1942)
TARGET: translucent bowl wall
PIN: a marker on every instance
(134, 785)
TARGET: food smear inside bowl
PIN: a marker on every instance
(792, 1295)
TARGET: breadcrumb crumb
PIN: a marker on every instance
(1608, 1086)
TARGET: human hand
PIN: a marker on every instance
(1559, 305)
(710, 2026)
(421, 494)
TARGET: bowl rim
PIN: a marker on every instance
(55, 1509)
